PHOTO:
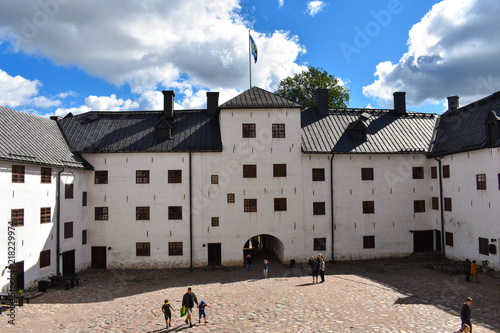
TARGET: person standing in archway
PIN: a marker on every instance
(249, 265)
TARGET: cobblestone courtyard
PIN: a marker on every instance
(400, 295)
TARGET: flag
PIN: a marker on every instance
(253, 47)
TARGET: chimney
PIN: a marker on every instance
(400, 101)
(168, 103)
(212, 102)
(321, 101)
(453, 103)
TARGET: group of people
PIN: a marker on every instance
(317, 267)
(188, 301)
(249, 262)
(470, 270)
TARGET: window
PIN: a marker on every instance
(68, 191)
(250, 205)
(68, 230)
(101, 213)
(449, 238)
(279, 170)
(484, 246)
(101, 177)
(44, 258)
(46, 176)
(175, 213)
(230, 198)
(319, 244)
(368, 207)
(84, 237)
(17, 217)
(84, 199)
(141, 213)
(143, 249)
(45, 215)
(434, 172)
(278, 130)
(418, 172)
(142, 177)
(446, 171)
(419, 206)
(215, 221)
(18, 174)
(175, 248)
(368, 242)
(435, 203)
(447, 204)
(366, 173)
(481, 181)
(279, 204)
(249, 171)
(318, 208)
(214, 179)
(249, 130)
(318, 175)
(175, 176)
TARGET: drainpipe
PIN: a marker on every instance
(58, 219)
(331, 203)
(190, 214)
(441, 208)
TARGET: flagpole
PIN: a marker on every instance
(250, 58)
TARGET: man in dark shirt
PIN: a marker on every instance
(465, 313)
(188, 300)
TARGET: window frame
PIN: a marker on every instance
(367, 174)
(319, 208)
(248, 131)
(318, 174)
(278, 131)
(434, 172)
(435, 203)
(419, 206)
(214, 179)
(174, 176)
(17, 217)
(484, 246)
(142, 176)
(68, 230)
(18, 174)
(45, 215)
(250, 205)
(84, 237)
(319, 244)
(446, 171)
(369, 207)
(249, 170)
(214, 221)
(369, 242)
(101, 214)
(231, 198)
(44, 259)
(175, 249)
(280, 205)
(448, 236)
(418, 172)
(447, 204)
(45, 175)
(481, 182)
(175, 212)
(279, 170)
(143, 249)
(142, 213)
(101, 177)
(69, 191)
(84, 198)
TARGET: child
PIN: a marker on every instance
(473, 271)
(166, 311)
(201, 308)
(266, 268)
(465, 329)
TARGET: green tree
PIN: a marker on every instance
(301, 86)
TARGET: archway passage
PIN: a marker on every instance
(264, 246)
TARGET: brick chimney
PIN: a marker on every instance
(321, 101)
(453, 103)
(400, 101)
(212, 102)
(168, 103)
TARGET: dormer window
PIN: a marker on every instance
(493, 128)
(357, 131)
(163, 130)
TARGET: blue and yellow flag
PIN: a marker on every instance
(253, 47)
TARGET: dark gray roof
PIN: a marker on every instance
(26, 138)
(97, 131)
(464, 129)
(258, 98)
(386, 131)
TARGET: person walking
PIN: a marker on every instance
(265, 268)
(188, 300)
(465, 313)
(473, 271)
(465, 329)
(201, 311)
(249, 265)
(322, 269)
(168, 314)
(467, 267)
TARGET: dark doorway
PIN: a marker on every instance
(214, 254)
(19, 273)
(423, 241)
(98, 257)
(68, 263)
(438, 240)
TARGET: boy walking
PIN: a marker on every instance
(168, 314)
(201, 308)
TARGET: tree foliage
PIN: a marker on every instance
(300, 88)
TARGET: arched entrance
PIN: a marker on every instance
(264, 246)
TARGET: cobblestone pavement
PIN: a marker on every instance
(399, 295)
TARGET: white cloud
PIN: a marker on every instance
(16, 90)
(451, 51)
(150, 44)
(314, 7)
(281, 3)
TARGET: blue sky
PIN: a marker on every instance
(60, 56)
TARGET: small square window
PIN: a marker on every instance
(279, 170)
(101, 213)
(84, 237)
(366, 173)
(435, 203)
(230, 198)
(318, 175)
(44, 258)
(249, 171)
(419, 206)
(84, 199)
(418, 172)
(215, 221)
(279, 204)
(278, 130)
(175, 176)
(250, 205)
(368, 242)
(101, 177)
(484, 246)
(142, 213)
(175, 248)
(175, 213)
(368, 207)
(318, 208)
(143, 249)
(214, 179)
(68, 230)
(45, 215)
(248, 130)
(481, 181)
(447, 204)
(68, 191)
(17, 217)
(18, 173)
(446, 171)
(449, 238)
(434, 172)
(142, 177)
(319, 244)
(46, 175)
